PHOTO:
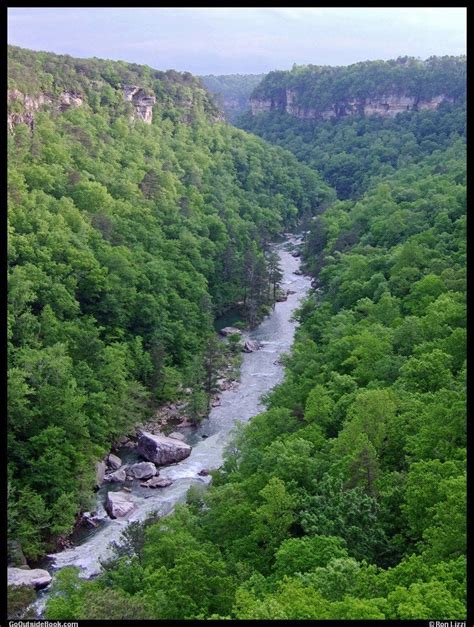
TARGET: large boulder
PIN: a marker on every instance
(34, 578)
(114, 461)
(230, 331)
(177, 436)
(250, 346)
(142, 470)
(119, 504)
(160, 449)
(100, 469)
(119, 476)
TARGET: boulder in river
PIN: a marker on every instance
(156, 482)
(250, 346)
(100, 469)
(114, 461)
(160, 449)
(34, 578)
(177, 436)
(119, 504)
(119, 476)
(142, 470)
(230, 331)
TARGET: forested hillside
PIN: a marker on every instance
(355, 123)
(232, 91)
(346, 498)
(132, 224)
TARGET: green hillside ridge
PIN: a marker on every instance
(126, 239)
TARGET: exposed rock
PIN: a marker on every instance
(216, 402)
(142, 102)
(119, 504)
(119, 476)
(34, 578)
(387, 105)
(156, 482)
(203, 473)
(142, 470)
(281, 297)
(177, 436)
(89, 519)
(160, 449)
(114, 461)
(100, 469)
(250, 346)
(230, 331)
(70, 99)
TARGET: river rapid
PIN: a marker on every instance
(259, 373)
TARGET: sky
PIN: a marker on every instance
(240, 40)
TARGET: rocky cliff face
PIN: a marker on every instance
(142, 102)
(28, 105)
(387, 106)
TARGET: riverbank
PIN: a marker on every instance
(260, 372)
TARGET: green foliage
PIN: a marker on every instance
(125, 241)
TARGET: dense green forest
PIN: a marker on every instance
(352, 151)
(232, 91)
(322, 86)
(125, 241)
(346, 497)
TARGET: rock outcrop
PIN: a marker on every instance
(387, 105)
(141, 100)
(142, 470)
(160, 449)
(33, 578)
(29, 105)
(119, 504)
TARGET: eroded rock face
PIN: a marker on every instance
(119, 504)
(160, 449)
(34, 578)
(31, 104)
(142, 470)
(388, 105)
(142, 102)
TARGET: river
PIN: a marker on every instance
(260, 372)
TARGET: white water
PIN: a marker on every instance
(260, 371)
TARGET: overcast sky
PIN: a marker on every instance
(245, 40)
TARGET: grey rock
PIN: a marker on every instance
(230, 331)
(100, 469)
(114, 461)
(156, 482)
(142, 470)
(160, 449)
(119, 504)
(119, 476)
(250, 346)
(34, 578)
(177, 436)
